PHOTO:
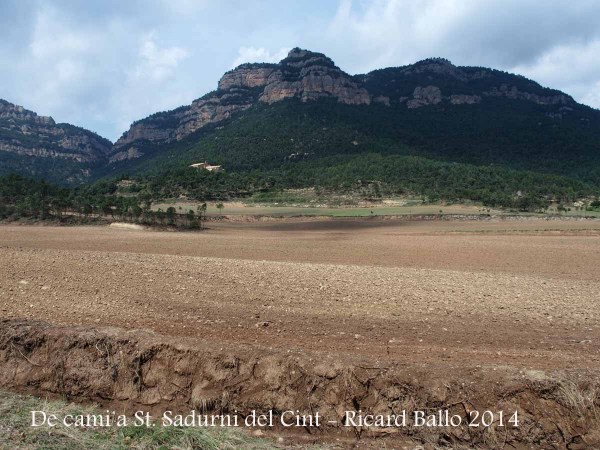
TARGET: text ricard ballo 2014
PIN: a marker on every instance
(286, 419)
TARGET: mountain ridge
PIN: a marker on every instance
(311, 76)
(45, 146)
(307, 107)
(87, 146)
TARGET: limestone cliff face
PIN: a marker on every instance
(247, 76)
(130, 153)
(310, 76)
(212, 110)
(176, 125)
(422, 96)
(23, 132)
(145, 130)
(438, 66)
(432, 95)
(10, 112)
(513, 92)
(463, 99)
(302, 74)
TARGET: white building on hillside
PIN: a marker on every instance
(206, 166)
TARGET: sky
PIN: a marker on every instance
(101, 64)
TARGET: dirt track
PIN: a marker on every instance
(441, 297)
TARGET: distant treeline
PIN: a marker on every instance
(28, 198)
(374, 176)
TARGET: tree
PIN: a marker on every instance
(136, 211)
(148, 217)
(106, 209)
(171, 215)
(191, 218)
(87, 209)
(201, 213)
(160, 216)
(146, 200)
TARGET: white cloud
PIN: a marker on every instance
(150, 85)
(259, 54)
(573, 67)
(392, 32)
(560, 62)
(157, 64)
(500, 32)
(50, 38)
(90, 75)
(56, 63)
(554, 43)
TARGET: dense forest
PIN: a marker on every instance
(375, 176)
(370, 176)
(358, 150)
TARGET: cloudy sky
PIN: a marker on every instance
(101, 64)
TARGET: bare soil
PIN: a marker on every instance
(457, 313)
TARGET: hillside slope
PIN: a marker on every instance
(430, 128)
(265, 115)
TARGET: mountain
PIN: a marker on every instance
(305, 107)
(305, 75)
(36, 145)
(430, 128)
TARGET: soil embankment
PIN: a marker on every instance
(139, 371)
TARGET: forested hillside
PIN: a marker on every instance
(430, 129)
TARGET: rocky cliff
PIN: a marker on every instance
(302, 74)
(24, 133)
(436, 81)
(309, 76)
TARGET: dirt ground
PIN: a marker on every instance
(445, 297)
(445, 293)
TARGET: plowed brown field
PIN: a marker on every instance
(442, 296)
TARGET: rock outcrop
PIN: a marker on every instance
(185, 121)
(438, 66)
(130, 153)
(463, 99)
(247, 76)
(309, 76)
(23, 132)
(514, 93)
(302, 74)
(432, 95)
(9, 112)
(423, 96)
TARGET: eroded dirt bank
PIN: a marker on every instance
(144, 371)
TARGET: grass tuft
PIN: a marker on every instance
(16, 432)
